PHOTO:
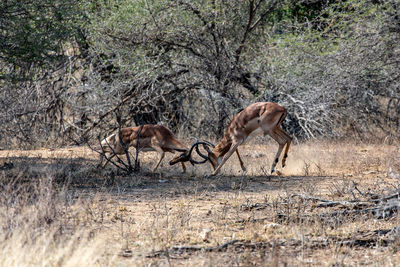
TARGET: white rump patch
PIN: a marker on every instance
(109, 141)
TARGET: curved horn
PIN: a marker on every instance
(196, 146)
(205, 146)
(190, 156)
(209, 143)
(203, 142)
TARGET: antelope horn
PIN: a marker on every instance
(192, 161)
(206, 145)
(196, 145)
(209, 143)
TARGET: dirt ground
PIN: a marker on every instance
(319, 210)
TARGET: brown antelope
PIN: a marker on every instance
(258, 118)
(151, 138)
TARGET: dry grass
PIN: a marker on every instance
(58, 209)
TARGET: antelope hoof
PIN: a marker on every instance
(214, 173)
(244, 169)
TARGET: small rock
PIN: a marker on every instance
(271, 225)
(205, 234)
(127, 253)
(393, 174)
(257, 155)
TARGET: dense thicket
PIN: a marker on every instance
(69, 68)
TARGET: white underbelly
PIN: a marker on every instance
(253, 134)
(146, 149)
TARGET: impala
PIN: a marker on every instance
(151, 138)
(258, 118)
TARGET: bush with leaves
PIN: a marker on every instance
(192, 65)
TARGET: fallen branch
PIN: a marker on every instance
(331, 203)
(183, 249)
(256, 206)
(253, 220)
(352, 203)
(374, 239)
(336, 217)
(393, 196)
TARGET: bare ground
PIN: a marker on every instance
(234, 219)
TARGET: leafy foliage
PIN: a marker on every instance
(191, 65)
(34, 31)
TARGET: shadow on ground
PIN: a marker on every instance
(83, 174)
